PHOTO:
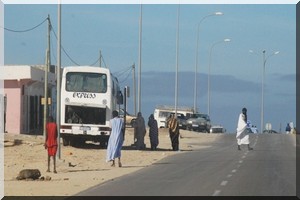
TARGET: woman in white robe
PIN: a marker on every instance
(242, 135)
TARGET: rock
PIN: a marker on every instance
(29, 174)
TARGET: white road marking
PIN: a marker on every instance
(217, 192)
(229, 175)
(233, 171)
(240, 161)
(224, 183)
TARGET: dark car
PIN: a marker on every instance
(199, 122)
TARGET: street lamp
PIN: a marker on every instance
(208, 78)
(263, 85)
(196, 65)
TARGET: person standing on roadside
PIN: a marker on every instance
(116, 139)
(242, 134)
(288, 128)
(51, 142)
(153, 132)
(173, 126)
(140, 130)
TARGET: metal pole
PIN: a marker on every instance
(125, 107)
(140, 60)
(262, 92)
(58, 78)
(177, 52)
(134, 89)
(196, 63)
(196, 71)
(208, 75)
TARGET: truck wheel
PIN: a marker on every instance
(66, 142)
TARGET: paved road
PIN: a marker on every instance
(221, 170)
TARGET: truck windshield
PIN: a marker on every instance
(86, 82)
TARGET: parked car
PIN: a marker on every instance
(130, 119)
(199, 122)
(217, 129)
(182, 121)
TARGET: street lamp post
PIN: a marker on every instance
(196, 63)
(208, 77)
(263, 85)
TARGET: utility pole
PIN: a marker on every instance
(58, 78)
(47, 66)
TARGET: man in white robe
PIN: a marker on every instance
(242, 135)
(116, 139)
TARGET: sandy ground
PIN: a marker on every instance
(82, 168)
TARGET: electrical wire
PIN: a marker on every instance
(22, 31)
(51, 27)
(128, 70)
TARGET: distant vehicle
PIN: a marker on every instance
(199, 122)
(130, 119)
(88, 97)
(162, 112)
(270, 131)
(217, 129)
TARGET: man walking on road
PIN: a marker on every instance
(242, 135)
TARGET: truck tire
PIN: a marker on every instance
(66, 141)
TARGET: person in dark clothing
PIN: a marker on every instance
(288, 128)
(153, 132)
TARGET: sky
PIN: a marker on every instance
(113, 29)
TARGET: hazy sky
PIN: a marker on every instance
(114, 29)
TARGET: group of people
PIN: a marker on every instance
(117, 135)
(116, 138)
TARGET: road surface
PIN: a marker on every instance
(220, 170)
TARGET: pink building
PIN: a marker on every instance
(23, 92)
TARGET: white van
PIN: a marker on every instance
(162, 112)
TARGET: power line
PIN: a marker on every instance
(30, 29)
(128, 70)
(26, 30)
(120, 73)
(64, 49)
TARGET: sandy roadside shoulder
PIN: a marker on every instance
(81, 168)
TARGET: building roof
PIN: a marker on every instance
(18, 72)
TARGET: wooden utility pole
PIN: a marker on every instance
(47, 66)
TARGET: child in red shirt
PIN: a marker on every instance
(51, 142)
